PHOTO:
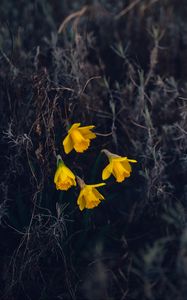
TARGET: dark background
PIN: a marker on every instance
(120, 65)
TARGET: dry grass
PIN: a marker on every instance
(123, 69)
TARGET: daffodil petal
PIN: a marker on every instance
(68, 144)
(107, 171)
(119, 159)
(81, 201)
(88, 134)
(87, 127)
(97, 185)
(76, 136)
(97, 194)
(74, 126)
(68, 172)
(127, 166)
(57, 173)
(132, 160)
(85, 131)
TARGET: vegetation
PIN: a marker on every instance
(123, 69)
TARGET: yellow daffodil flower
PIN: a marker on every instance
(89, 196)
(118, 166)
(64, 178)
(78, 138)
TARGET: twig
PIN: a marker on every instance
(94, 77)
(127, 9)
(76, 14)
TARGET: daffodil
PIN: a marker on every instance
(89, 196)
(118, 166)
(64, 177)
(78, 138)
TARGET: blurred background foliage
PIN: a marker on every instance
(120, 65)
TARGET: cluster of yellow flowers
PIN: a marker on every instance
(78, 138)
